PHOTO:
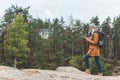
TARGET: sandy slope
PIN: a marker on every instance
(61, 73)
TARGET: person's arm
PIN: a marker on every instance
(95, 39)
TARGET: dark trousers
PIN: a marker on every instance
(86, 59)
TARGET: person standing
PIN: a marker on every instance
(93, 50)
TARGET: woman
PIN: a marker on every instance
(93, 50)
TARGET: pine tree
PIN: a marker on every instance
(15, 42)
(95, 20)
(116, 24)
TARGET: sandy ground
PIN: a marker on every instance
(61, 73)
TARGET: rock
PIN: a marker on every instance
(68, 69)
(61, 73)
(116, 71)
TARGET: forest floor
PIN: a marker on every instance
(61, 73)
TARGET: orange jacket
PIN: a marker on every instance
(93, 49)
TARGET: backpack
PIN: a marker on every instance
(100, 39)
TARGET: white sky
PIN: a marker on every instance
(81, 9)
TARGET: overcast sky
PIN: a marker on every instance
(81, 9)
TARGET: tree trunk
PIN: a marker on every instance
(15, 62)
(72, 49)
(110, 48)
(116, 49)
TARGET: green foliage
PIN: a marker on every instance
(48, 60)
(106, 67)
(22, 61)
(34, 39)
(106, 26)
(16, 38)
(95, 20)
(11, 13)
(77, 61)
(116, 24)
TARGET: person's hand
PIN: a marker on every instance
(85, 38)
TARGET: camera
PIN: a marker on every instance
(88, 34)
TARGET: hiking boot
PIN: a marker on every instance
(100, 74)
(87, 71)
